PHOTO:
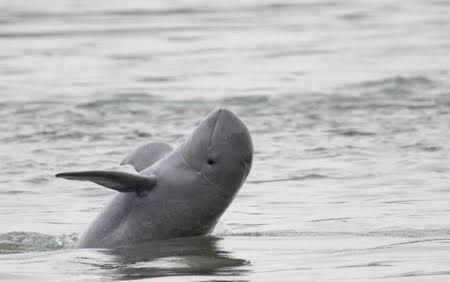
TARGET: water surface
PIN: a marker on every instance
(348, 104)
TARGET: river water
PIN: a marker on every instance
(348, 104)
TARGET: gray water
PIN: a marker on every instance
(348, 104)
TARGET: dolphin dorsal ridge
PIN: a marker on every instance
(147, 155)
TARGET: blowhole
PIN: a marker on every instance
(210, 161)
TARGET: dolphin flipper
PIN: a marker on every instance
(146, 155)
(120, 181)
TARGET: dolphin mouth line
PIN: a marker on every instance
(208, 181)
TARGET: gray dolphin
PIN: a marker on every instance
(176, 193)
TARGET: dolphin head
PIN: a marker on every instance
(220, 149)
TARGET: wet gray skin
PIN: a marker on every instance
(195, 183)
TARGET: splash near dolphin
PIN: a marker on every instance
(176, 192)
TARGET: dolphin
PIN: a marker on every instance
(175, 192)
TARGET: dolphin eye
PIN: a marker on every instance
(210, 161)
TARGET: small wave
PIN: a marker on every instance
(399, 82)
(283, 233)
(423, 147)
(119, 100)
(16, 192)
(91, 32)
(161, 12)
(330, 219)
(370, 264)
(354, 16)
(351, 132)
(296, 178)
(50, 135)
(416, 236)
(419, 274)
(20, 242)
(155, 79)
(246, 100)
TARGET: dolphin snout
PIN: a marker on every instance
(226, 119)
(230, 129)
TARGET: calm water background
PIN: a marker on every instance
(348, 103)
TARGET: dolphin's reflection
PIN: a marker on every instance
(183, 256)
